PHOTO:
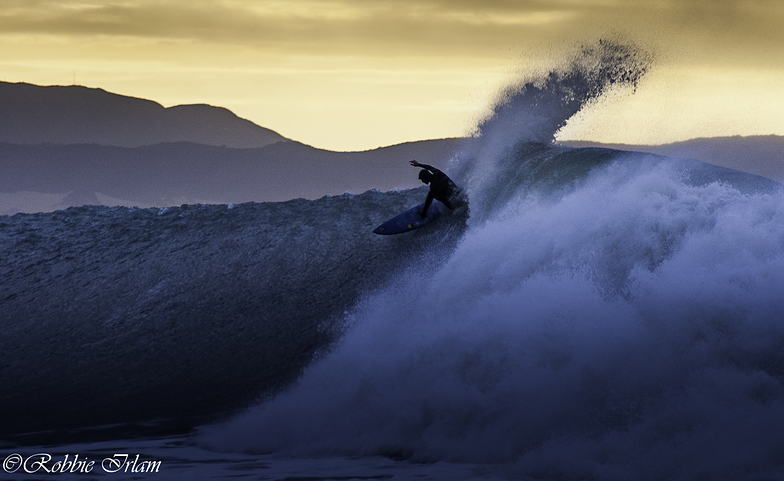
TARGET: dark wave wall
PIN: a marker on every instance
(179, 315)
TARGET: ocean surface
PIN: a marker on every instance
(593, 314)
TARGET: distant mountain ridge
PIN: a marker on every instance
(72, 145)
(32, 114)
(47, 177)
(757, 154)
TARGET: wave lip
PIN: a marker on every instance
(535, 109)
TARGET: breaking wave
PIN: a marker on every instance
(606, 315)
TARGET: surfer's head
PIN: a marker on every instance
(425, 176)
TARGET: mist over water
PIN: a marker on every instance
(606, 315)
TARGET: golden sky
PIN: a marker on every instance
(359, 74)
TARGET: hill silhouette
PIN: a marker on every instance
(47, 177)
(757, 154)
(71, 146)
(32, 114)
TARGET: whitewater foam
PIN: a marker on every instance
(606, 315)
(621, 329)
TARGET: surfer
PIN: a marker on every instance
(441, 188)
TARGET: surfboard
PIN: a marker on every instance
(410, 220)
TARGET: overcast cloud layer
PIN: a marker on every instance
(439, 26)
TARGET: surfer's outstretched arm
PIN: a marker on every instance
(424, 166)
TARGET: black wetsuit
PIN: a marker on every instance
(441, 188)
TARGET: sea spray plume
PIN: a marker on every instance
(534, 110)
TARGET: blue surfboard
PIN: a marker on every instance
(410, 220)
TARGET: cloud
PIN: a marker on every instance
(406, 27)
(343, 23)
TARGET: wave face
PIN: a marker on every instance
(157, 320)
(605, 315)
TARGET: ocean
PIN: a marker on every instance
(593, 315)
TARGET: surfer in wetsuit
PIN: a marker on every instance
(441, 188)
